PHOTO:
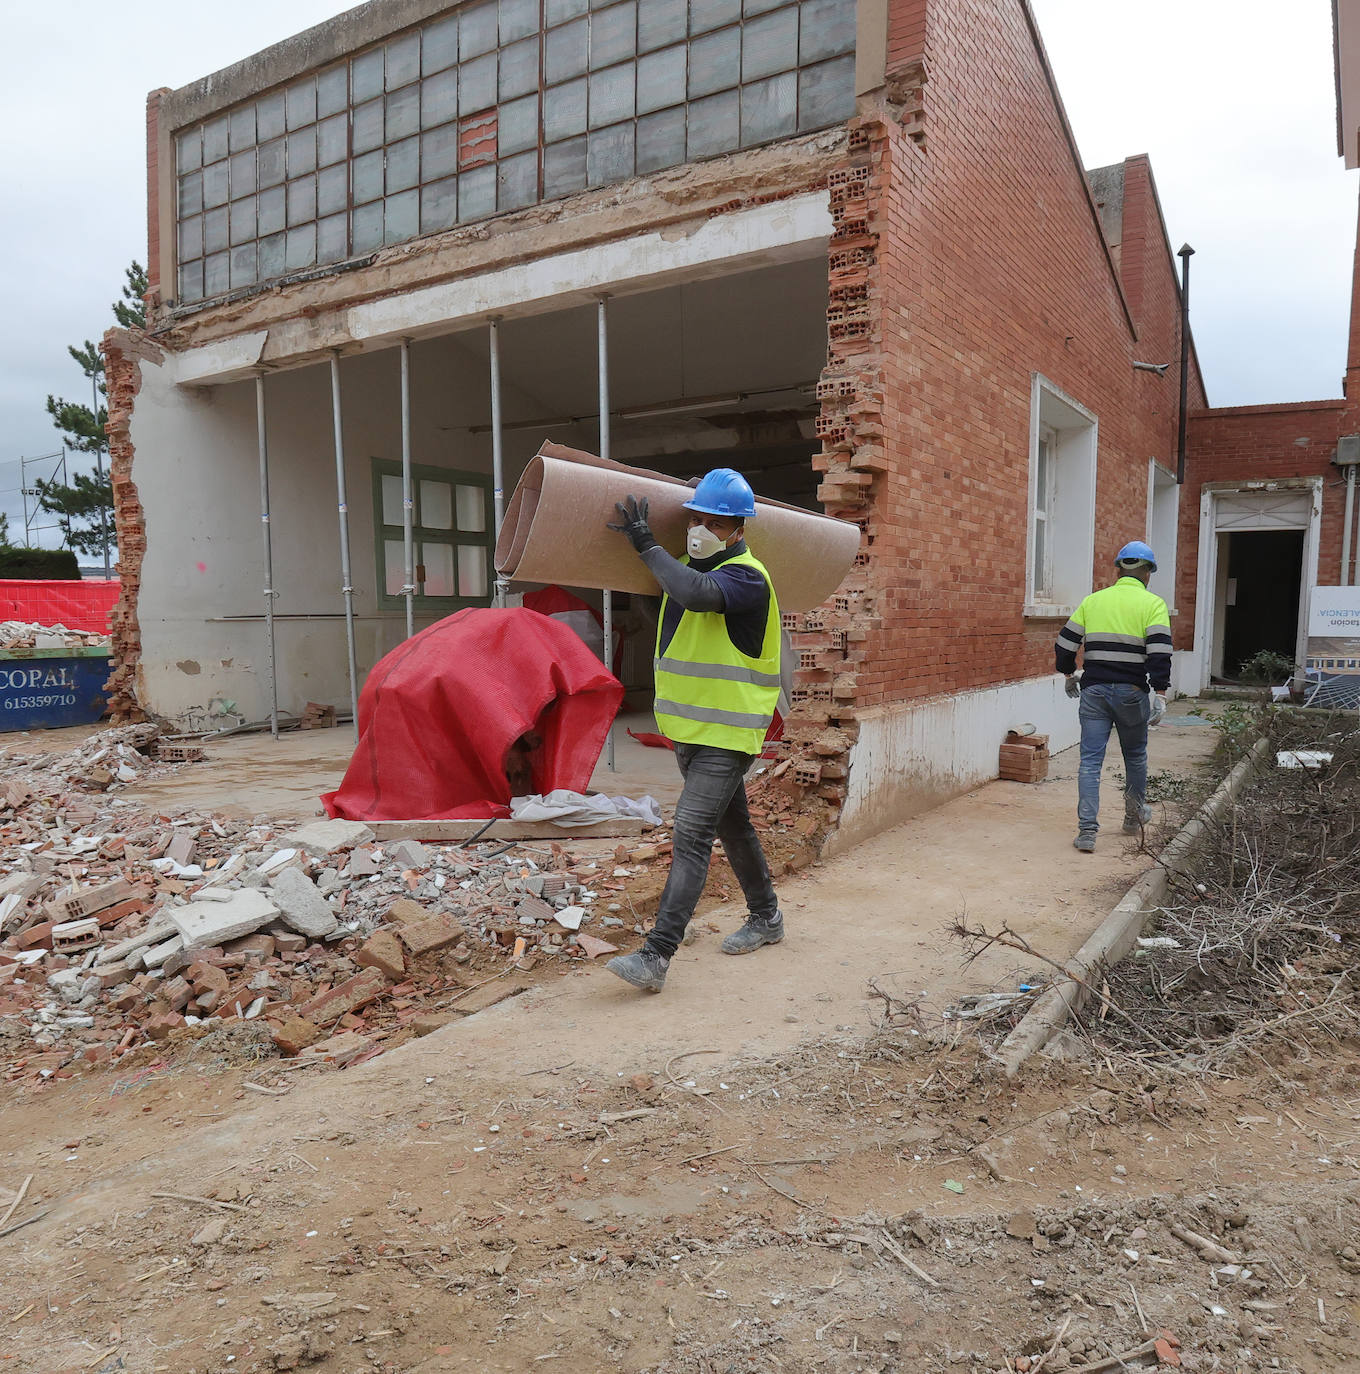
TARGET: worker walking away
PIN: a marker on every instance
(1124, 633)
(717, 684)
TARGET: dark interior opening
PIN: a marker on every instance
(1265, 570)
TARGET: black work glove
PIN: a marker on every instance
(633, 514)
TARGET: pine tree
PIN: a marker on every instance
(84, 507)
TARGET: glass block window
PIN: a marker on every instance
(451, 525)
(491, 107)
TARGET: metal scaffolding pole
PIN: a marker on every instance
(269, 592)
(347, 587)
(407, 502)
(608, 597)
(502, 594)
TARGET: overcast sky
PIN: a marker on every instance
(1232, 99)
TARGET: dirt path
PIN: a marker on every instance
(397, 1215)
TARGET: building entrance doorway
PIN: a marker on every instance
(1263, 575)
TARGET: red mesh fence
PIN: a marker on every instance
(85, 605)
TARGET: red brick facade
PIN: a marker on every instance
(1259, 444)
(986, 263)
(1270, 443)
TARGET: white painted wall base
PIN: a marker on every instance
(911, 757)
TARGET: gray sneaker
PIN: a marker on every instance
(1136, 819)
(643, 970)
(754, 934)
(1085, 843)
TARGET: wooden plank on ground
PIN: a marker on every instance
(445, 831)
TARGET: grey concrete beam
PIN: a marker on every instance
(304, 52)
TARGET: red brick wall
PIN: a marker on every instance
(906, 32)
(1259, 444)
(993, 266)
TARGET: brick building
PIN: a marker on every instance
(1269, 508)
(847, 248)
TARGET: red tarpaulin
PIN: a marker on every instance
(444, 714)
(83, 605)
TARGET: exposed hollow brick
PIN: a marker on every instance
(123, 351)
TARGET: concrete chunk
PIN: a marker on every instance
(325, 837)
(214, 923)
(302, 907)
(409, 854)
(156, 956)
(154, 934)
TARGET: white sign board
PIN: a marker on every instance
(1334, 613)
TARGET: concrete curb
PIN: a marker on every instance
(1119, 931)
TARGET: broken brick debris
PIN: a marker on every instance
(170, 927)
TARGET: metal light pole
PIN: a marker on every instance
(1184, 254)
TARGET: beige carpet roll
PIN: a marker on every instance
(554, 531)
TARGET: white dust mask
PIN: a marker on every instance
(703, 543)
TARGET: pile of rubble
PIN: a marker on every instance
(118, 928)
(19, 634)
(106, 762)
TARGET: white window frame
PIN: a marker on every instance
(1041, 514)
(1162, 530)
(1071, 434)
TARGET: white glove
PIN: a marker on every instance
(1158, 709)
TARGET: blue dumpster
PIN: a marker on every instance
(42, 689)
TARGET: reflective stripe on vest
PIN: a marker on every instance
(727, 672)
(707, 690)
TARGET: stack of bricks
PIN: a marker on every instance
(123, 377)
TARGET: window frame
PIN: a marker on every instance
(1041, 513)
(455, 538)
(408, 172)
(1070, 498)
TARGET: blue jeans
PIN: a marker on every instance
(1123, 707)
(711, 806)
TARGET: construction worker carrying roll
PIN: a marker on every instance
(1124, 633)
(717, 684)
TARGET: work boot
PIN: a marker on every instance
(1085, 842)
(754, 934)
(643, 970)
(1135, 818)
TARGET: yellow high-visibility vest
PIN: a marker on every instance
(707, 690)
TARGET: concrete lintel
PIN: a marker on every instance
(762, 236)
(301, 52)
(227, 360)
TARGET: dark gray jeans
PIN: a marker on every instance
(712, 806)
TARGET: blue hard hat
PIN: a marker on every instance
(724, 491)
(1136, 552)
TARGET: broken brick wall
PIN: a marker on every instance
(986, 264)
(1264, 445)
(967, 255)
(123, 351)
